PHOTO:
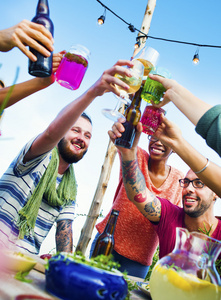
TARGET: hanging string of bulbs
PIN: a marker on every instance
(131, 27)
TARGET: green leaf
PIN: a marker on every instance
(205, 231)
(21, 276)
(155, 260)
(5, 101)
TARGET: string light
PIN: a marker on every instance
(137, 44)
(196, 58)
(131, 28)
(101, 20)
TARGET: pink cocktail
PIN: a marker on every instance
(73, 67)
(151, 119)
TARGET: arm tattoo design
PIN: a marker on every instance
(137, 191)
(134, 177)
(153, 208)
(64, 239)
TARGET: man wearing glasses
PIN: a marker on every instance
(198, 200)
(197, 212)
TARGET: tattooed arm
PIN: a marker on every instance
(64, 237)
(137, 192)
(134, 182)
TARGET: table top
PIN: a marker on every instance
(11, 287)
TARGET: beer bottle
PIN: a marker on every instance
(132, 115)
(43, 66)
(105, 242)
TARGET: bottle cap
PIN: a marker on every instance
(115, 212)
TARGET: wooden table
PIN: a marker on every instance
(10, 287)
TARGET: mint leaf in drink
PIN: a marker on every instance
(77, 59)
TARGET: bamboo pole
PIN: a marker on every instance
(94, 210)
(145, 24)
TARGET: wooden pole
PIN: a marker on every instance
(94, 210)
(145, 24)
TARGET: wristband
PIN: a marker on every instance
(203, 168)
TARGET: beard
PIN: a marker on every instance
(198, 211)
(67, 155)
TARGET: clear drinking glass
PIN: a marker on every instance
(149, 58)
(134, 82)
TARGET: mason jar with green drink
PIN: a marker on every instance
(153, 91)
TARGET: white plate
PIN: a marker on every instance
(143, 287)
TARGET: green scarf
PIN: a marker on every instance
(64, 195)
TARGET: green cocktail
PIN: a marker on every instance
(153, 91)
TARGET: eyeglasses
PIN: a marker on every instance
(152, 138)
(198, 184)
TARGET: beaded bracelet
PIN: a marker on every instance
(203, 167)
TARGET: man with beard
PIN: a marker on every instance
(198, 200)
(39, 187)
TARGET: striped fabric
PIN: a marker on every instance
(16, 186)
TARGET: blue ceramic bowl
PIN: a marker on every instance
(69, 280)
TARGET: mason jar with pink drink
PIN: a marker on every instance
(151, 119)
(73, 66)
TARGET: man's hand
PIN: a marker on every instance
(116, 132)
(24, 34)
(107, 81)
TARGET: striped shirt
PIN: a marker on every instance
(16, 186)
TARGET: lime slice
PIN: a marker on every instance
(18, 262)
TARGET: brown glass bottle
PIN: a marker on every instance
(43, 66)
(132, 115)
(105, 242)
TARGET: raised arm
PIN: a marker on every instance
(134, 181)
(191, 106)
(24, 89)
(169, 134)
(69, 115)
(24, 34)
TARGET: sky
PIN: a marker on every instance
(75, 22)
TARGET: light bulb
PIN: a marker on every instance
(101, 20)
(196, 59)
